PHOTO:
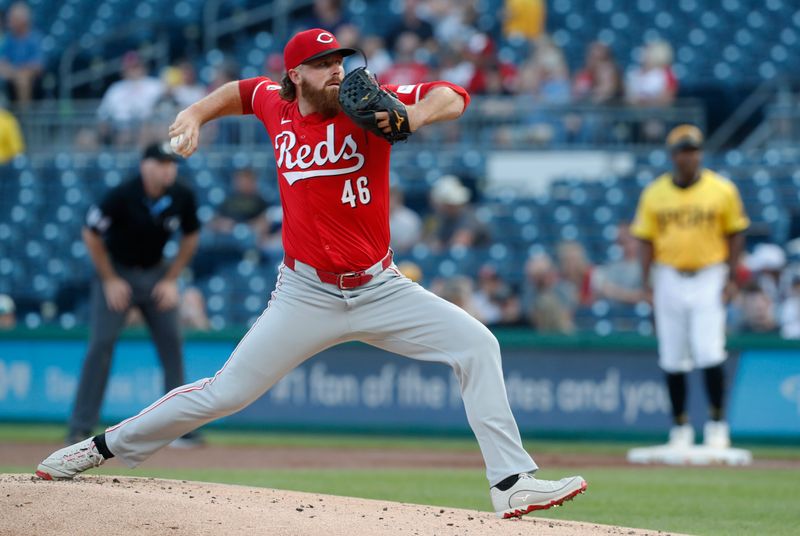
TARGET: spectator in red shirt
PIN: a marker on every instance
(599, 81)
(489, 73)
(653, 83)
(407, 70)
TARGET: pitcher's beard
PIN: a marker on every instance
(325, 101)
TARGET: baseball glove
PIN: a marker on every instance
(361, 96)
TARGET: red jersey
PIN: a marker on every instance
(333, 178)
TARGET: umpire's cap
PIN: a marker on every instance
(310, 45)
(160, 151)
(685, 137)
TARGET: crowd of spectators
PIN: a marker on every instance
(441, 39)
(429, 39)
(555, 290)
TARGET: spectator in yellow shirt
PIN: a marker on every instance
(524, 18)
(11, 142)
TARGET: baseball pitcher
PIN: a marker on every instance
(332, 139)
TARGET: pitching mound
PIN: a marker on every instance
(111, 506)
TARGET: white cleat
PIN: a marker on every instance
(530, 493)
(717, 435)
(681, 437)
(65, 463)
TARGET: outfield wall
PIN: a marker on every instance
(582, 385)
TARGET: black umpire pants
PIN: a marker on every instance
(105, 328)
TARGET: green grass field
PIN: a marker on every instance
(713, 501)
(27, 433)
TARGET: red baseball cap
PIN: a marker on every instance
(310, 45)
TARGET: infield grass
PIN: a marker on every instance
(34, 433)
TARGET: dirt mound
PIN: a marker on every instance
(111, 506)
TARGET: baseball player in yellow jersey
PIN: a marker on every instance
(690, 222)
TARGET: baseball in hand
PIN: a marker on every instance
(176, 142)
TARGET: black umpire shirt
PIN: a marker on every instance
(135, 227)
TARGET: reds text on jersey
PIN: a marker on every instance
(333, 178)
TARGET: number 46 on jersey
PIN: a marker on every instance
(352, 196)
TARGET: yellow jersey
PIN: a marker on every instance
(11, 143)
(689, 226)
(524, 17)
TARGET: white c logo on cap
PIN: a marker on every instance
(325, 37)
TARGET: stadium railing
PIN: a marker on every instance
(513, 122)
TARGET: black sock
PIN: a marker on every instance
(102, 448)
(506, 483)
(676, 384)
(715, 387)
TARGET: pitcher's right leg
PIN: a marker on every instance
(298, 323)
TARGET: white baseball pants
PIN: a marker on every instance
(305, 316)
(690, 317)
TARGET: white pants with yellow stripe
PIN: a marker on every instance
(690, 317)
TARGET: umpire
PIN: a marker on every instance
(125, 235)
